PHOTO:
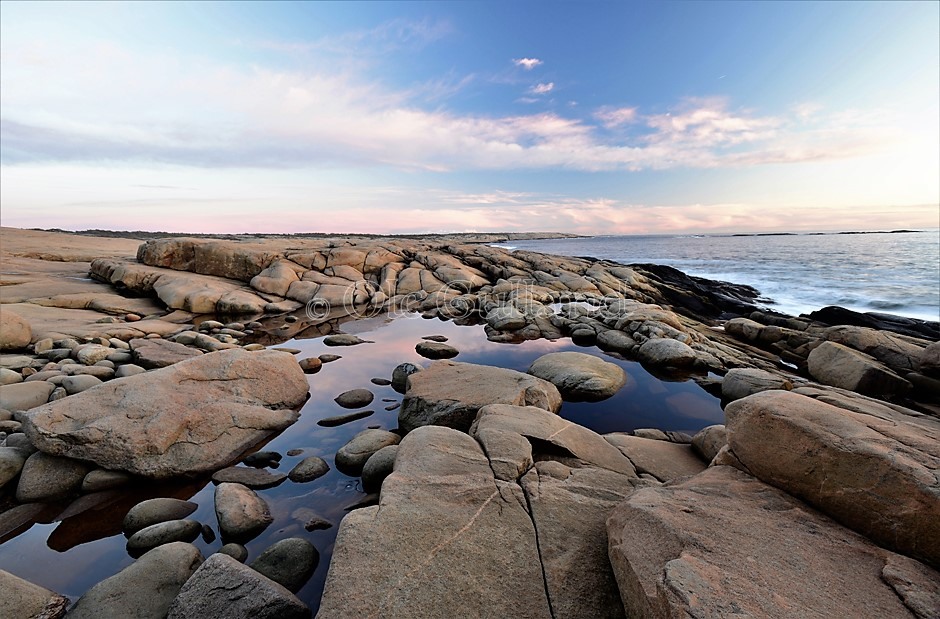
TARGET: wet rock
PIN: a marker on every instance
(144, 589)
(310, 365)
(506, 318)
(616, 341)
(352, 456)
(47, 478)
(840, 366)
(24, 396)
(434, 338)
(128, 370)
(21, 443)
(102, 479)
(663, 460)
(400, 375)
(21, 598)
(236, 551)
(15, 332)
(242, 514)
(679, 549)
(153, 511)
(381, 382)
(80, 383)
(163, 533)
(329, 358)
(222, 588)
(378, 467)
(741, 382)
(578, 376)
(878, 469)
(11, 463)
(308, 469)
(263, 459)
(90, 354)
(289, 562)
(450, 394)
(354, 398)
(154, 354)
(666, 352)
(193, 417)
(436, 350)
(707, 442)
(248, 476)
(338, 420)
(344, 339)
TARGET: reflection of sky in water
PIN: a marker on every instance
(645, 402)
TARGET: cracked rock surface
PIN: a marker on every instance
(196, 416)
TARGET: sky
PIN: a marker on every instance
(582, 117)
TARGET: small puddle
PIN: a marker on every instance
(72, 556)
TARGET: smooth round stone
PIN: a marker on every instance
(105, 363)
(329, 358)
(311, 365)
(378, 467)
(262, 459)
(290, 319)
(58, 354)
(11, 463)
(434, 338)
(20, 441)
(308, 469)
(10, 377)
(11, 426)
(120, 357)
(242, 514)
(99, 372)
(236, 551)
(294, 452)
(436, 350)
(47, 478)
(163, 533)
(58, 393)
(579, 376)
(253, 347)
(381, 382)
(5, 415)
(152, 511)
(128, 370)
(77, 384)
(343, 339)
(400, 375)
(103, 479)
(354, 398)
(248, 476)
(584, 337)
(353, 455)
(119, 344)
(289, 562)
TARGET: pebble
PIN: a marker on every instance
(263, 458)
(294, 452)
(343, 339)
(242, 514)
(128, 370)
(311, 365)
(434, 338)
(163, 533)
(354, 398)
(436, 350)
(381, 382)
(152, 511)
(236, 551)
(329, 358)
(289, 562)
(338, 420)
(249, 476)
(102, 479)
(308, 469)
(353, 455)
(79, 383)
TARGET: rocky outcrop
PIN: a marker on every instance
(723, 544)
(194, 417)
(579, 376)
(875, 473)
(840, 366)
(450, 394)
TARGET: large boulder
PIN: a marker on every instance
(194, 417)
(840, 366)
(898, 354)
(445, 538)
(876, 474)
(15, 332)
(723, 544)
(450, 394)
(579, 376)
(241, 513)
(666, 352)
(222, 588)
(144, 589)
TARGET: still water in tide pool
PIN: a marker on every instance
(73, 555)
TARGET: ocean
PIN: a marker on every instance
(888, 272)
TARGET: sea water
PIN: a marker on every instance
(890, 272)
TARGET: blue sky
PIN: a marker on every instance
(589, 117)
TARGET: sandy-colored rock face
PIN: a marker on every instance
(450, 394)
(21, 598)
(15, 332)
(876, 474)
(723, 544)
(193, 417)
(841, 366)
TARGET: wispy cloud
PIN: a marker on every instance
(526, 63)
(542, 88)
(129, 107)
(612, 117)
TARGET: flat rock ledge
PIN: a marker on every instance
(193, 417)
(724, 544)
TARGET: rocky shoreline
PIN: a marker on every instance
(818, 496)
